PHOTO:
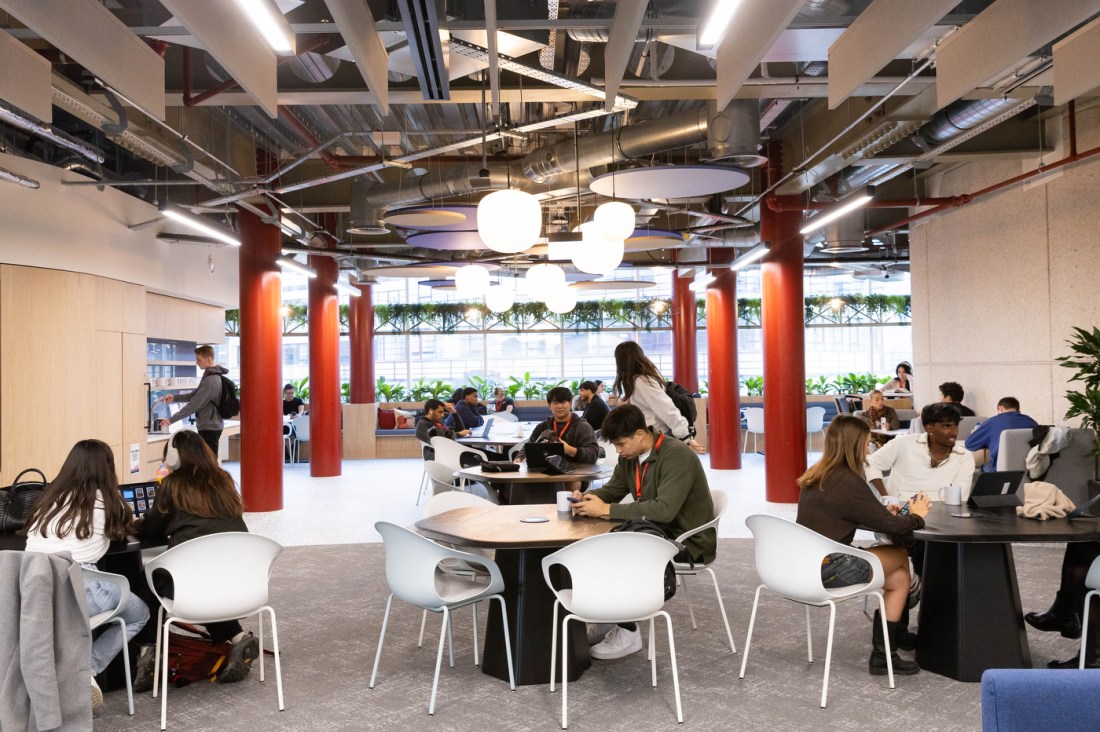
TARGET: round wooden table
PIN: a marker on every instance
(520, 548)
(531, 487)
(971, 618)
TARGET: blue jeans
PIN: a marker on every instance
(101, 597)
(842, 570)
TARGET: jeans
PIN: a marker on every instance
(843, 570)
(101, 597)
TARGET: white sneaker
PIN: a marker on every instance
(597, 632)
(97, 695)
(618, 644)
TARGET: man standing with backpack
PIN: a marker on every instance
(205, 401)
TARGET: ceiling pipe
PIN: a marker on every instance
(190, 100)
(780, 207)
(14, 117)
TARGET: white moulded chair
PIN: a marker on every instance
(788, 561)
(616, 578)
(1092, 582)
(215, 577)
(449, 452)
(754, 423)
(683, 571)
(115, 616)
(815, 422)
(301, 434)
(427, 453)
(515, 449)
(411, 572)
(504, 416)
(440, 477)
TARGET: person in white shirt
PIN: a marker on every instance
(641, 384)
(926, 462)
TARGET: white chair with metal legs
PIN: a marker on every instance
(215, 577)
(301, 434)
(427, 453)
(683, 571)
(616, 578)
(515, 449)
(504, 416)
(754, 424)
(1092, 582)
(815, 423)
(114, 615)
(411, 572)
(788, 562)
(449, 452)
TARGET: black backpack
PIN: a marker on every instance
(645, 526)
(228, 405)
(684, 402)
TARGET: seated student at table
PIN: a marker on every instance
(577, 437)
(952, 392)
(501, 401)
(987, 435)
(466, 409)
(903, 379)
(876, 413)
(834, 502)
(431, 423)
(1064, 614)
(595, 408)
(81, 512)
(925, 462)
(669, 487)
(292, 404)
(196, 499)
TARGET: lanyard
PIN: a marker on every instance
(441, 425)
(564, 427)
(640, 477)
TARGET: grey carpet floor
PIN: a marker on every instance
(330, 601)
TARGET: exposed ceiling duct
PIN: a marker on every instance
(421, 21)
(957, 118)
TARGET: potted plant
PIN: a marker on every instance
(1085, 361)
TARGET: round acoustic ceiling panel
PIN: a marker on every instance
(439, 284)
(669, 181)
(614, 285)
(446, 240)
(644, 240)
(418, 271)
(427, 217)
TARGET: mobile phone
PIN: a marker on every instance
(571, 499)
(904, 509)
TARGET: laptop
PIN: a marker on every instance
(488, 426)
(1082, 510)
(139, 496)
(537, 453)
(997, 489)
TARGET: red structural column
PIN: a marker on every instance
(783, 322)
(723, 391)
(261, 360)
(361, 337)
(685, 359)
(325, 447)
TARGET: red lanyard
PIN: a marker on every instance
(640, 477)
(564, 428)
(441, 425)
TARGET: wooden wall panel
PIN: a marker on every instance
(133, 395)
(106, 396)
(175, 319)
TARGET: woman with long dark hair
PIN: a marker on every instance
(640, 383)
(834, 501)
(82, 512)
(199, 498)
(903, 378)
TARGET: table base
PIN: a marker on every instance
(530, 617)
(971, 617)
(513, 494)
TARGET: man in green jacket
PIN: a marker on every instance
(669, 487)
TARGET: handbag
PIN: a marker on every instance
(17, 500)
(645, 526)
(557, 465)
(499, 466)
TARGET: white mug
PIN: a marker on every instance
(519, 430)
(951, 495)
(563, 500)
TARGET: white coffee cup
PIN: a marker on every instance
(951, 495)
(563, 500)
(519, 430)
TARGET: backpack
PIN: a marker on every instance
(191, 659)
(645, 526)
(228, 405)
(684, 402)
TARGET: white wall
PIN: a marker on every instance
(998, 284)
(83, 229)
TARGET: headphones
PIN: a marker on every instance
(172, 455)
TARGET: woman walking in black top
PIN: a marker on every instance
(836, 500)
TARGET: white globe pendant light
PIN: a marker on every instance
(499, 298)
(615, 219)
(561, 299)
(509, 221)
(471, 281)
(597, 254)
(542, 278)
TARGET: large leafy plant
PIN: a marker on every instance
(1085, 361)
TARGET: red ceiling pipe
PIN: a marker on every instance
(306, 134)
(685, 359)
(325, 448)
(723, 387)
(190, 101)
(261, 361)
(361, 335)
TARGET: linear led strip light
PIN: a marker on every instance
(271, 24)
(859, 198)
(289, 262)
(752, 255)
(343, 286)
(200, 225)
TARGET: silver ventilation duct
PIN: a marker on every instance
(13, 116)
(845, 235)
(364, 218)
(603, 11)
(957, 118)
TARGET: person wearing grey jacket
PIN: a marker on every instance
(45, 644)
(203, 401)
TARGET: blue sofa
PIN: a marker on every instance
(1038, 700)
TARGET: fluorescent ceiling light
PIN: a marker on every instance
(271, 24)
(750, 256)
(344, 287)
(852, 202)
(291, 263)
(200, 224)
(718, 20)
(701, 281)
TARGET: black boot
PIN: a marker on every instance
(1060, 617)
(906, 641)
(876, 665)
(1092, 648)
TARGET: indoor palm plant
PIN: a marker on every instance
(1085, 361)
